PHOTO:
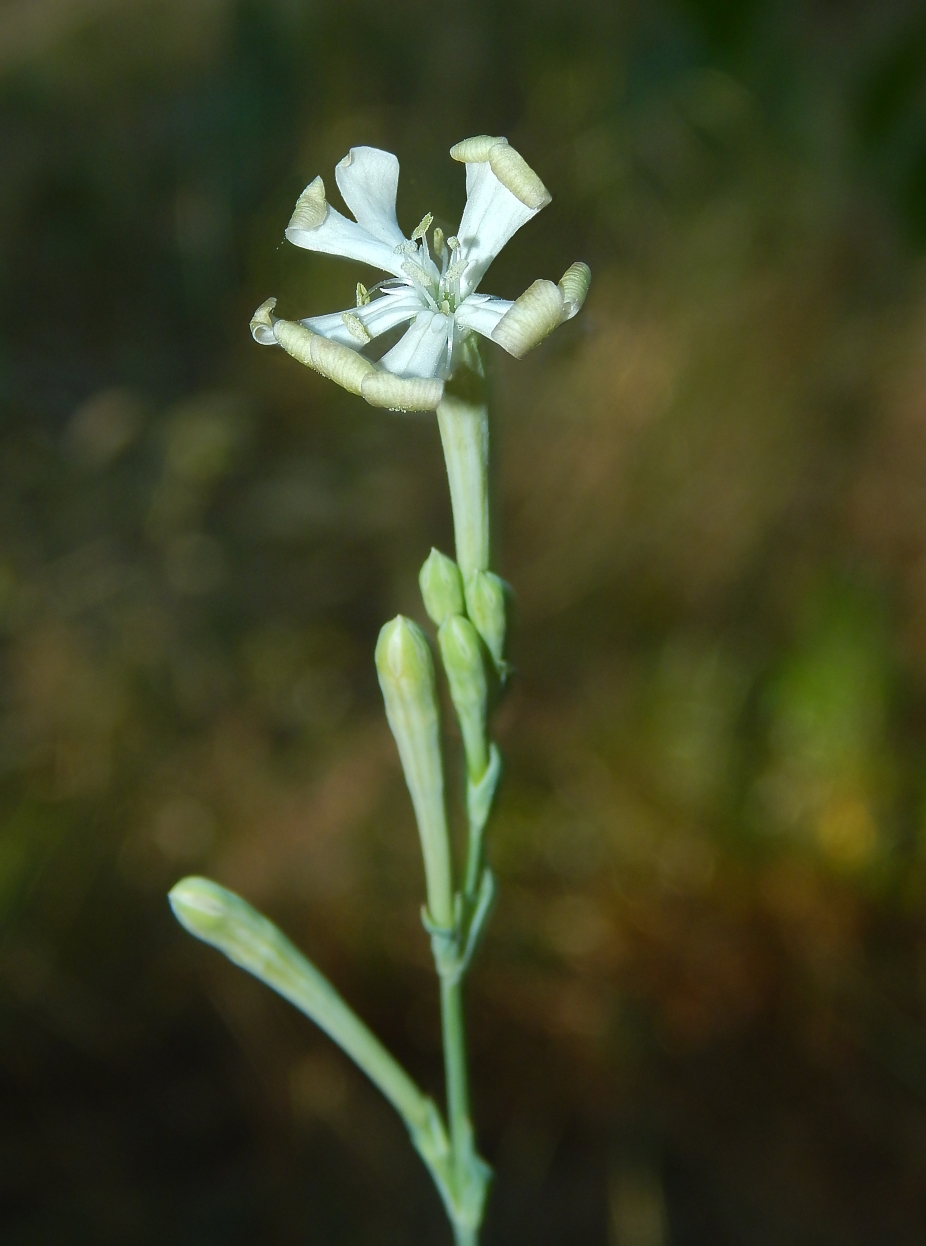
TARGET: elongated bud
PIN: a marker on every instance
(223, 919)
(406, 676)
(461, 652)
(441, 587)
(485, 605)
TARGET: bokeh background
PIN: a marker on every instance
(700, 1015)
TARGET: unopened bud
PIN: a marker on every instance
(461, 652)
(441, 587)
(406, 676)
(485, 605)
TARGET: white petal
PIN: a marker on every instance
(492, 215)
(368, 179)
(481, 312)
(339, 236)
(377, 317)
(422, 350)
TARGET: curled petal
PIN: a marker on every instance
(262, 323)
(334, 234)
(491, 217)
(311, 207)
(368, 179)
(401, 393)
(475, 150)
(377, 317)
(532, 317)
(508, 165)
(336, 362)
(573, 286)
(423, 349)
(482, 313)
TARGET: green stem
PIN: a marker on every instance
(456, 1071)
(458, 1117)
(464, 431)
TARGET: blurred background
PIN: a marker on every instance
(700, 1015)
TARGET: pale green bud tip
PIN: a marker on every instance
(485, 605)
(460, 649)
(508, 165)
(262, 323)
(200, 905)
(441, 587)
(403, 658)
(573, 286)
(530, 318)
(311, 208)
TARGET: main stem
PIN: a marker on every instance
(457, 1076)
(463, 420)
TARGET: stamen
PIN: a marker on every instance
(416, 273)
(355, 327)
(363, 294)
(456, 270)
(438, 237)
(421, 229)
(453, 242)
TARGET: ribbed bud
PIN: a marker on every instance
(530, 319)
(573, 286)
(441, 587)
(311, 208)
(401, 393)
(406, 677)
(262, 324)
(485, 605)
(461, 652)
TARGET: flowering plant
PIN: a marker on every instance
(435, 366)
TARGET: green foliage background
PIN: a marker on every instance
(700, 1016)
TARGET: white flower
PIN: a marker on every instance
(431, 288)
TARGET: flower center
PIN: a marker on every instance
(434, 270)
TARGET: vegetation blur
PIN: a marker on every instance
(700, 1014)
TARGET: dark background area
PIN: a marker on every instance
(699, 1015)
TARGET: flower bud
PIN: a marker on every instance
(485, 605)
(441, 587)
(461, 652)
(406, 677)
